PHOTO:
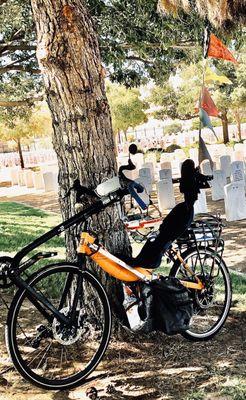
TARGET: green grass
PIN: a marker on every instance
(238, 283)
(21, 224)
(235, 390)
(199, 395)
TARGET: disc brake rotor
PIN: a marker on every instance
(64, 334)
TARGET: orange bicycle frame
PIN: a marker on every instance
(119, 269)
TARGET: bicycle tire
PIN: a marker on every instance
(12, 340)
(193, 334)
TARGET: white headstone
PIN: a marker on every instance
(218, 183)
(55, 178)
(225, 165)
(206, 168)
(239, 146)
(194, 155)
(180, 155)
(165, 174)
(237, 171)
(165, 193)
(21, 178)
(151, 158)
(49, 182)
(146, 178)
(166, 165)
(165, 157)
(38, 180)
(238, 155)
(200, 205)
(150, 166)
(138, 160)
(28, 176)
(235, 202)
(122, 160)
(14, 176)
(176, 168)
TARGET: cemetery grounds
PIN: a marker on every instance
(137, 366)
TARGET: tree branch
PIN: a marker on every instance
(19, 68)
(135, 58)
(13, 47)
(181, 45)
(20, 60)
(18, 103)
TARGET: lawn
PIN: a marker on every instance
(21, 224)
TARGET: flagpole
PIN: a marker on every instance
(203, 151)
(204, 61)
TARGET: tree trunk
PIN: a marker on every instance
(224, 120)
(69, 59)
(238, 121)
(20, 153)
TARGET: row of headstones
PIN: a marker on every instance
(46, 181)
(216, 150)
(220, 190)
(174, 161)
(30, 158)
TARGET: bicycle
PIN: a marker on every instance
(57, 338)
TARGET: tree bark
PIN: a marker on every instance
(20, 153)
(238, 120)
(224, 120)
(69, 59)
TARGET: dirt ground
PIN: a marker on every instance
(153, 367)
(156, 366)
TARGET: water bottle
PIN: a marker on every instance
(131, 307)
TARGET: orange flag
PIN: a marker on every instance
(207, 104)
(217, 49)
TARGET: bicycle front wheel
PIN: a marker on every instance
(47, 352)
(212, 304)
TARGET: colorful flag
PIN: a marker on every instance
(211, 76)
(203, 153)
(217, 49)
(207, 104)
(205, 120)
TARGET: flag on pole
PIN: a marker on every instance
(217, 49)
(207, 104)
(205, 120)
(203, 153)
(211, 76)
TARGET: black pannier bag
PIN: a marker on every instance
(172, 308)
(164, 305)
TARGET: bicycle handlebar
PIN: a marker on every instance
(128, 186)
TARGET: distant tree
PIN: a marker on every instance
(238, 95)
(173, 128)
(179, 102)
(127, 109)
(24, 124)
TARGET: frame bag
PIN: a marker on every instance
(172, 307)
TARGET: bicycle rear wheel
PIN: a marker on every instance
(211, 305)
(50, 354)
